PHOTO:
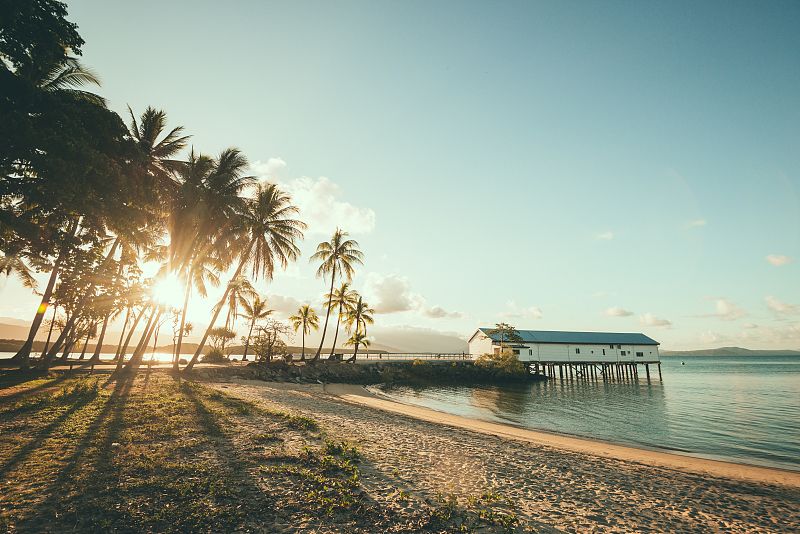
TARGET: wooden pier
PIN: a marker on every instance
(594, 371)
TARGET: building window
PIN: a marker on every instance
(640, 354)
(622, 353)
(619, 346)
(604, 352)
(577, 351)
(611, 346)
(530, 352)
(516, 352)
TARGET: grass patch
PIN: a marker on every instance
(152, 453)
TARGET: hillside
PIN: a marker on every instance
(730, 351)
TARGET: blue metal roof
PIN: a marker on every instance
(578, 338)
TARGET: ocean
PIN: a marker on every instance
(737, 409)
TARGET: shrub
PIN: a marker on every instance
(215, 356)
(505, 362)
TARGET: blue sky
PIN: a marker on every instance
(559, 165)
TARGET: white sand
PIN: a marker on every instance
(554, 482)
(360, 395)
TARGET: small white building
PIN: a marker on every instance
(569, 347)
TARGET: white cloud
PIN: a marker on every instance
(648, 319)
(269, 169)
(599, 294)
(780, 307)
(392, 294)
(696, 223)
(606, 236)
(778, 259)
(437, 312)
(616, 311)
(517, 312)
(728, 311)
(283, 305)
(319, 201)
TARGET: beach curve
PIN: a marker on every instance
(691, 464)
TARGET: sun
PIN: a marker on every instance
(168, 291)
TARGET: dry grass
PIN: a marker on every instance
(153, 453)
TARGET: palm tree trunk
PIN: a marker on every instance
(336, 336)
(99, 346)
(141, 348)
(247, 343)
(187, 292)
(155, 342)
(124, 349)
(303, 357)
(89, 291)
(68, 348)
(85, 344)
(327, 314)
(355, 352)
(23, 355)
(70, 340)
(122, 334)
(50, 331)
(217, 309)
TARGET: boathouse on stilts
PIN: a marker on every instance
(603, 356)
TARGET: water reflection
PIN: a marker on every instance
(729, 408)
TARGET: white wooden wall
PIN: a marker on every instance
(557, 352)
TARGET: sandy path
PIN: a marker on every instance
(567, 486)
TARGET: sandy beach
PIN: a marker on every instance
(554, 482)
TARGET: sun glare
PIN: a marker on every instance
(168, 291)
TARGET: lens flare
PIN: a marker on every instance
(168, 291)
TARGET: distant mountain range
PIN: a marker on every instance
(730, 351)
(386, 339)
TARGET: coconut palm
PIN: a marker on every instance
(254, 310)
(305, 319)
(158, 145)
(337, 257)
(358, 318)
(263, 235)
(70, 77)
(240, 290)
(14, 264)
(358, 339)
(342, 299)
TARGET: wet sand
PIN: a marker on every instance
(554, 482)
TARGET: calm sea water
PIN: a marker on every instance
(740, 409)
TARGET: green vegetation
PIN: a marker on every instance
(87, 197)
(153, 453)
(504, 363)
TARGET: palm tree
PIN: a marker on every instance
(356, 340)
(337, 256)
(357, 320)
(158, 147)
(240, 290)
(69, 77)
(13, 264)
(306, 319)
(199, 272)
(254, 311)
(263, 234)
(343, 299)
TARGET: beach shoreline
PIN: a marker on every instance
(551, 482)
(648, 457)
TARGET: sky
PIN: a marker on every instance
(611, 166)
